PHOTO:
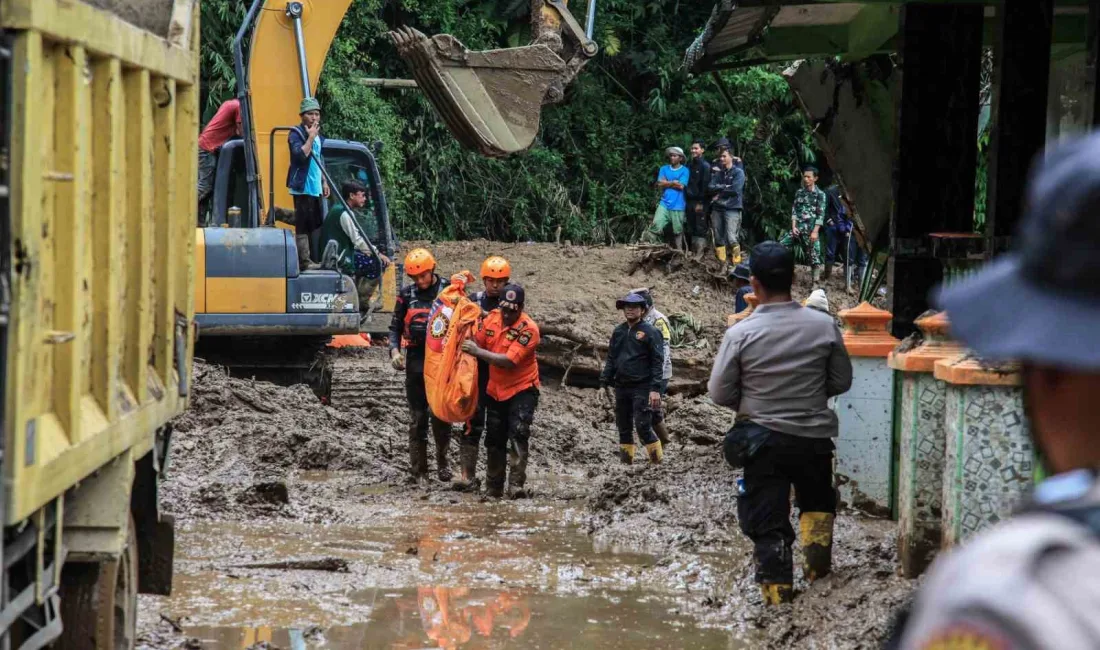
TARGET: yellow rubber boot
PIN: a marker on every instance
(626, 454)
(720, 251)
(775, 593)
(816, 529)
(735, 253)
(656, 452)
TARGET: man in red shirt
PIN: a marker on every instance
(507, 340)
(225, 124)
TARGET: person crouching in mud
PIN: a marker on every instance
(635, 364)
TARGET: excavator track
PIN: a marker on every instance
(364, 378)
(282, 360)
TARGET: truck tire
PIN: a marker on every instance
(99, 601)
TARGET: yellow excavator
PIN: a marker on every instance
(256, 312)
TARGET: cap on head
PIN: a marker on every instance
(1053, 271)
(772, 265)
(674, 150)
(309, 104)
(496, 267)
(646, 294)
(723, 143)
(631, 300)
(817, 300)
(512, 297)
(418, 261)
(741, 272)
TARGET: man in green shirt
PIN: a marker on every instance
(807, 219)
(354, 253)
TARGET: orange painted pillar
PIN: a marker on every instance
(919, 430)
(864, 448)
(989, 460)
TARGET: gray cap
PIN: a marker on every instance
(1041, 302)
(676, 150)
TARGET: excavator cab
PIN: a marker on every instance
(491, 100)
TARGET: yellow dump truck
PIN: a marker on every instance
(98, 120)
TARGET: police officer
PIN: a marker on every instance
(659, 321)
(495, 273)
(507, 340)
(409, 329)
(1034, 581)
(635, 361)
(777, 369)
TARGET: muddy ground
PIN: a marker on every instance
(297, 530)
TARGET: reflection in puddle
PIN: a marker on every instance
(456, 618)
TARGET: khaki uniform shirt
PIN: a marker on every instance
(1030, 583)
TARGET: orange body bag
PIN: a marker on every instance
(450, 375)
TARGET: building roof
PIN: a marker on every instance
(755, 31)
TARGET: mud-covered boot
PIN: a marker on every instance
(816, 530)
(441, 431)
(517, 468)
(496, 466)
(661, 429)
(467, 460)
(720, 253)
(698, 246)
(735, 254)
(655, 451)
(815, 275)
(775, 593)
(418, 446)
(827, 272)
(626, 454)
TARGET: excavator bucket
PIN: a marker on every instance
(489, 100)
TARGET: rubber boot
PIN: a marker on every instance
(441, 431)
(517, 468)
(698, 245)
(662, 433)
(467, 460)
(816, 529)
(418, 447)
(827, 272)
(735, 254)
(655, 452)
(720, 253)
(775, 593)
(305, 261)
(496, 460)
(626, 454)
(815, 274)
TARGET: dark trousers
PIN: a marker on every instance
(208, 167)
(509, 421)
(632, 413)
(696, 219)
(420, 420)
(764, 510)
(471, 433)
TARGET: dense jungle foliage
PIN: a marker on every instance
(591, 170)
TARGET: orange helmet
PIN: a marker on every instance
(417, 261)
(496, 267)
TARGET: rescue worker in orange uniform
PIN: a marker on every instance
(495, 273)
(409, 329)
(507, 340)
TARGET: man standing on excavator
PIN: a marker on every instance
(495, 273)
(507, 340)
(409, 329)
(304, 178)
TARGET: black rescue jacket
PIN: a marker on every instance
(409, 327)
(635, 357)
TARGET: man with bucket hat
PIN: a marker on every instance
(668, 220)
(304, 178)
(1032, 581)
(634, 366)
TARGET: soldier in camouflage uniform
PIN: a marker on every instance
(807, 219)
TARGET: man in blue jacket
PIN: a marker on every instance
(304, 179)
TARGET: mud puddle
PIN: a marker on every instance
(443, 571)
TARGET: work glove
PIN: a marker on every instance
(397, 360)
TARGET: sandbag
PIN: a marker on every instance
(450, 375)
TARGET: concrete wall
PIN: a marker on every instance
(864, 446)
